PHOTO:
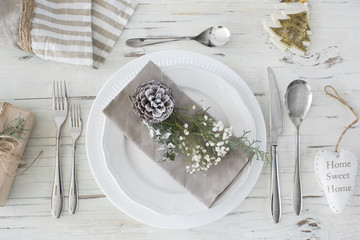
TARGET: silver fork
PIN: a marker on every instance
(59, 112)
(75, 131)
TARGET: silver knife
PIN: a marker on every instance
(276, 129)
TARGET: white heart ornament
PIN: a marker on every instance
(336, 173)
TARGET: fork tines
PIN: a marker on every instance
(75, 115)
(59, 95)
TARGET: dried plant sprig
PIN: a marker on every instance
(14, 128)
(203, 140)
(249, 147)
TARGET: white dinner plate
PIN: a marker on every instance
(137, 185)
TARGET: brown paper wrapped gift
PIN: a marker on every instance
(7, 174)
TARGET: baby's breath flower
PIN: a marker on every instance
(220, 125)
(228, 130)
(166, 135)
(186, 132)
(197, 158)
(225, 136)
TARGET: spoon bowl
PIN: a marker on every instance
(298, 99)
(212, 37)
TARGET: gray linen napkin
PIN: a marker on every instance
(207, 187)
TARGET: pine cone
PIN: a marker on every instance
(153, 101)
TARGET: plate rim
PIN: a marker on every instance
(260, 129)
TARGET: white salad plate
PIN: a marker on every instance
(137, 185)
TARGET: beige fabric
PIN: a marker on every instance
(61, 31)
(10, 13)
(204, 187)
(108, 19)
(81, 32)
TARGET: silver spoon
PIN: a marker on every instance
(298, 98)
(212, 37)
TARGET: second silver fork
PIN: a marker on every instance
(75, 131)
(59, 113)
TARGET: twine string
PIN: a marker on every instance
(8, 145)
(3, 106)
(340, 99)
(27, 15)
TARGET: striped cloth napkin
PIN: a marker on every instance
(81, 32)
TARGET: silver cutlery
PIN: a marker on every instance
(212, 37)
(276, 129)
(59, 114)
(75, 131)
(298, 98)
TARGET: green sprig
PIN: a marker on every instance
(14, 128)
(249, 147)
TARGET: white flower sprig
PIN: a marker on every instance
(203, 141)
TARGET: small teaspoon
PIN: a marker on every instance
(211, 37)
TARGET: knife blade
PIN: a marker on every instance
(276, 120)
(276, 129)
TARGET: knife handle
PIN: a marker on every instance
(275, 187)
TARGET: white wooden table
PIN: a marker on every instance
(335, 59)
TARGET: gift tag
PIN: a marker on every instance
(336, 173)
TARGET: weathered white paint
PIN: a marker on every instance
(335, 59)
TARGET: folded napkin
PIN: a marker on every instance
(207, 187)
(81, 32)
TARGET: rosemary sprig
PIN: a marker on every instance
(14, 128)
(249, 147)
